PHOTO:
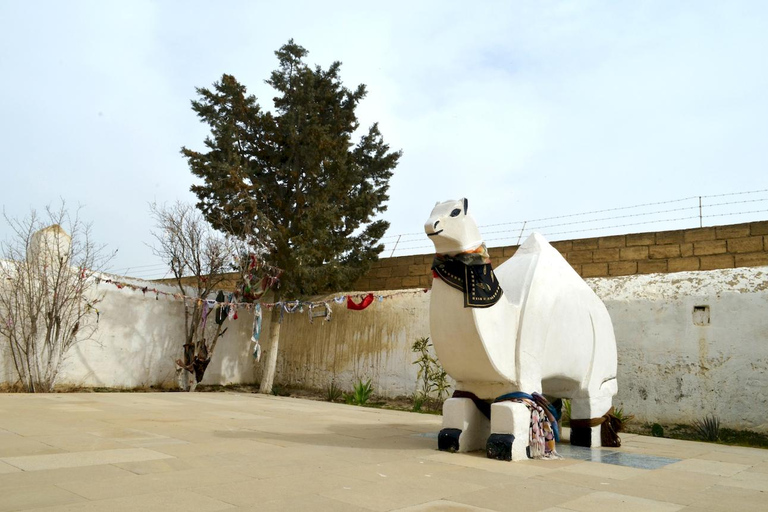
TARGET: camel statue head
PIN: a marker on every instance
(451, 228)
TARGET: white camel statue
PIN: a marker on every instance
(544, 330)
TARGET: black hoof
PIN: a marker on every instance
(581, 436)
(499, 446)
(448, 440)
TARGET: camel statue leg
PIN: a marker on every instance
(510, 424)
(585, 410)
(465, 428)
(589, 408)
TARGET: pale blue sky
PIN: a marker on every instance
(529, 109)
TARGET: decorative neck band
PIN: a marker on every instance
(472, 274)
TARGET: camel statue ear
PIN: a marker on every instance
(466, 205)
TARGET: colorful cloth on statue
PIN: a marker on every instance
(541, 435)
(552, 414)
(367, 300)
(472, 274)
(543, 431)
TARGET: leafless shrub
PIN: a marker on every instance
(199, 259)
(48, 292)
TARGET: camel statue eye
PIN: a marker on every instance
(456, 212)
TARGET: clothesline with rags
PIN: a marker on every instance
(293, 306)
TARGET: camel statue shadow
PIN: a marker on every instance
(510, 335)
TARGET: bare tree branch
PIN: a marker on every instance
(195, 253)
(48, 292)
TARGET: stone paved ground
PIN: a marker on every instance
(230, 451)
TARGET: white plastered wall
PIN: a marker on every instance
(674, 367)
(670, 369)
(138, 339)
(374, 343)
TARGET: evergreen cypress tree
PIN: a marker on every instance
(294, 179)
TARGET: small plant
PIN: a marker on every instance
(333, 393)
(432, 376)
(440, 384)
(425, 362)
(625, 418)
(657, 430)
(418, 402)
(278, 390)
(360, 394)
(708, 428)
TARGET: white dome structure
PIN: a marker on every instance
(51, 244)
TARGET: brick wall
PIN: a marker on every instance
(737, 245)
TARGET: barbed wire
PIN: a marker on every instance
(590, 213)
(736, 213)
(409, 242)
(593, 212)
(599, 220)
(735, 193)
(140, 269)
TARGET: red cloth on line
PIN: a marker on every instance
(367, 300)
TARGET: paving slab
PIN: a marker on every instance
(609, 502)
(240, 451)
(78, 459)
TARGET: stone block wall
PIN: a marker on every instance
(710, 248)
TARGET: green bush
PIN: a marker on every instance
(623, 418)
(418, 402)
(432, 376)
(333, 393)
(708, 428)
(361, 393)
(278, 390)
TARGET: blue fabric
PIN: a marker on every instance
(514, 396)
(551, 409)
